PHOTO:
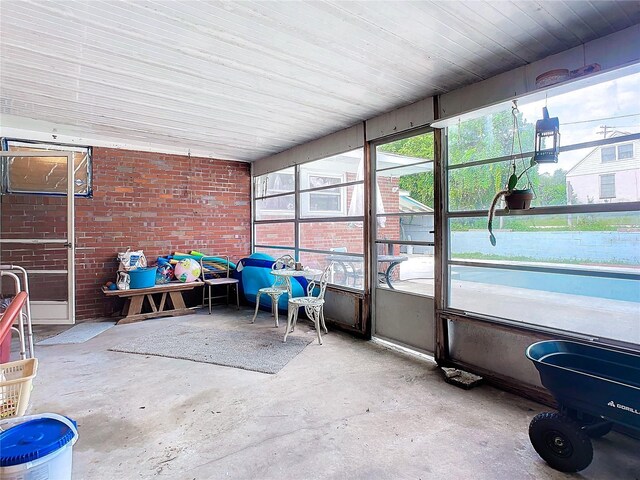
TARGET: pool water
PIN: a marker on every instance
(612, 288)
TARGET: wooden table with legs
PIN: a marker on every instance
(135, 300)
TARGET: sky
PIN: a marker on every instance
(597, 104)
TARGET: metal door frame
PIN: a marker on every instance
(68, 242)
(373, 227)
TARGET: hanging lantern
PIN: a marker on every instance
(547, 139)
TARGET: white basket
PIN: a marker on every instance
(15, 386)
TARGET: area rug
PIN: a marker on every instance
(78, 333)
(258, 351)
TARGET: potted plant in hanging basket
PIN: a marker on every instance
(518, 198)
(515, 198)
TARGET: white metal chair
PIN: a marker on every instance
(313, 306)
(215, 272)
(278, 287)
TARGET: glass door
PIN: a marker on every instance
(37, 230)
(403, 240)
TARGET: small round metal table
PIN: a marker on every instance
(288, 274)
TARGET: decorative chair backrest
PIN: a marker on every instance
(321, 283)
(284, 262)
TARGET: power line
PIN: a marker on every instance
(600, 119)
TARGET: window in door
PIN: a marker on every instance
(404, 226)
(45, 175)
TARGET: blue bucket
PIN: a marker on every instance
(143, 277)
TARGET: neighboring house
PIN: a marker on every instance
(415, 227)
(609, 174)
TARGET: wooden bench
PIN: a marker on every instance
(135, 300)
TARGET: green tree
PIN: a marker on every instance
(472, 188)
(551, 189)
(420, 185)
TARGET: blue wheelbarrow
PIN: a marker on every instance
(595, 388)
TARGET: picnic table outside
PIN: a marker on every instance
(349, 265)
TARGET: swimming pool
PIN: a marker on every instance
(612, 288)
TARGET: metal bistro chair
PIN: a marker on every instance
(215, 272)
(313, 306)
(278, 287)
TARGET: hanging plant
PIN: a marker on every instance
(515, 198)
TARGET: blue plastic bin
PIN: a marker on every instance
(37, 447)
(143, 277)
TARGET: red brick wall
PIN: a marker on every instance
(155, 202)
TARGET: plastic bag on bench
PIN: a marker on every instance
(130, 260)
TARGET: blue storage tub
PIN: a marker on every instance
(37, 447)
(143, 277)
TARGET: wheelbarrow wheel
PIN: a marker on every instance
(560, 442)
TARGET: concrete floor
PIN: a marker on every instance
(346, 409)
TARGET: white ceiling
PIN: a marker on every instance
(242, 80)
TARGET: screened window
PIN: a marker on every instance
(328, 228)
(608, 186)
(404, 214)
(275, 183)
(572, 263)
(45, 175)
(274, 195)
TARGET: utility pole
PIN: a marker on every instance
(604, 131)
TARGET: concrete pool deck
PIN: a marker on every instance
(596, 317)
(593, 316)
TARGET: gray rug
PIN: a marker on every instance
(258, 351)
(78, 333)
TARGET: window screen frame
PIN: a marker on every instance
(451, 311)
(302, 215)
(5, 187)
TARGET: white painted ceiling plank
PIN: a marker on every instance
(531, 17)
(227, 72)
(419, 32)
(613, 14)
(582, 13)
(181, 79)
(526, 45)
(248, 79)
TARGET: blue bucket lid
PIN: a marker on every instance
(32, 440)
